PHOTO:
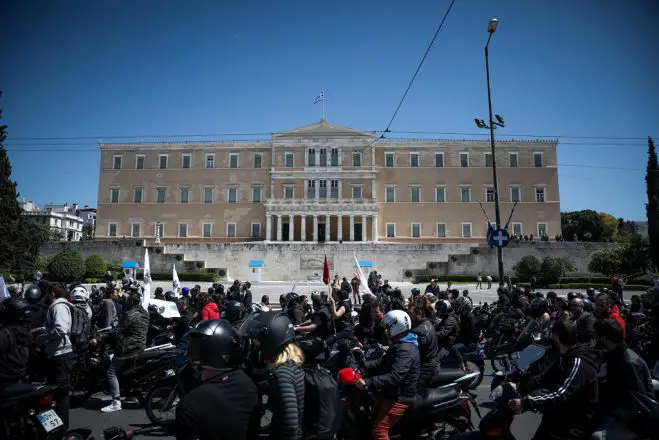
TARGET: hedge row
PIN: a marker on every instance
(424, 278)
(581, 286)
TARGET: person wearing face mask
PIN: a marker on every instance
(584, 320)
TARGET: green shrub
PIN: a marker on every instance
(95, 266)
(67, 266)
(527, 267)
(599, 279)
(553, 268)
(43, 262)
(90, 280)
(115, 267)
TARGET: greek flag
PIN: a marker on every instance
(319, 98)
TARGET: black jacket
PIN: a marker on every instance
(131, 334)
(345, 286)
(585, 327)
(447, 331)
(15, 344)
(247, 298)
(467, 331)
(296, 314)
(569, 407)
(428, 349)
(286, 400)
(396, 374)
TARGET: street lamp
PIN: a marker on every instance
(491, 28)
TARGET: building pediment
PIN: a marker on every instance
(322, 129)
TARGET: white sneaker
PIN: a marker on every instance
(114, 406)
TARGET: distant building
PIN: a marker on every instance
(88, 216)
(57, 217)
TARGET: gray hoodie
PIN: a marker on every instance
(58, 327)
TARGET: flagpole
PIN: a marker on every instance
(324, 117)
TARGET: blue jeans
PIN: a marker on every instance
(111, 376)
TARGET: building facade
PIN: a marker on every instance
(59, 218)
(325, 183)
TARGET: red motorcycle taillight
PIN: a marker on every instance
(465, 404)
(46, 400)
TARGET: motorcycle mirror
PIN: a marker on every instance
(529, 355)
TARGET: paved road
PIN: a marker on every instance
(89, 416)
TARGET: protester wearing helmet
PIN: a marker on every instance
(467, 322)
(272, 336)
(427, 339)
(234, 312)
(226, 405)
(36, 296)
(341, 309)
(394, 377)
(80, 298)
(294, 308)
(15, 340)
(320, 324)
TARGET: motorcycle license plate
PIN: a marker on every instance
(169, 372)
(50, 420)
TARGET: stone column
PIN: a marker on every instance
(279, 226)
(317, 189)
(352, 227)
(268, 227)
(364, 229)
(315, 228)
(375, 229)
(327, 228)
(339, 227)
(303, 228)
(291, 228)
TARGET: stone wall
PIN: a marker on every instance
(304, 261)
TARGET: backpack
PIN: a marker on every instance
(80, 327)
(322, 408)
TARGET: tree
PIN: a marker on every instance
(95, 267)
(553, 269)
(19, 240)
(627, 230)
(605, 261)
(527, 267)
(55, 235)
(610, 223)
(67, 266)
(652, 207)
(586, 224)
(88, 232)
(630, 259)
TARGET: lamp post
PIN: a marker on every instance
(491, 28)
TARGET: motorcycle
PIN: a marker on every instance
(472, 359)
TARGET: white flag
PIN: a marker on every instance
(146, 296)
(176, 284)
(4, 293)
(363, 283)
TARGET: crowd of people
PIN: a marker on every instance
(232, 340)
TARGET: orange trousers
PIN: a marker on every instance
(387, 414)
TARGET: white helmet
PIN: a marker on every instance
(397, 322)
(79, 294)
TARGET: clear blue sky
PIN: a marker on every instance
(561, 67)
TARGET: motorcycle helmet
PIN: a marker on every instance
(33, 294)
(273, 331)
(233, 311)
(79, 294)
(215, 343)
(538, 307)
(170, 296)
(462, 305)
(14, 310)
(442, 307)
(397, 322)
(292, 297)
(416, 291)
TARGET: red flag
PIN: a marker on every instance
(326, 272)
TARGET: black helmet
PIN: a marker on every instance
(571, 296)
(233, 311)
(125, 283)
(170, 296)
(442, 307)
(215, 343)
(33, 294)
(273, 330)
(291, 298)
(14, 309)
(415, 291)
(538, 307)
(462, 305)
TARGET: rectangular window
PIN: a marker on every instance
(208, 195)
(514, 160)
(185, 193)
(517, 229)
(161, 195)
(232, 196)
(256, 230)
(439, 160)
(182, 230)
(334, 157)
(135, 230)
(186, 161)
(465, 194)
(289, 160)
(311, 157)
(112, 229)
(441, 230)
(416, 230)
(440, 194)
(464, 160)
(489, 194)
(391, 230)
(334, 189)
(114, 195)
(466, 230)
(414, 160)
(311, 189)
(210, 161)
(207, 230)
(356, 159)
(488, 160)
(323, 157)
(289, 192)
(515, 194)
(256, 193)
(322, 190)
(162, 160)
(233, 160)
(139, 162)
(537, 160)
(542, 229)
(540, 194)
(357, 191)
(137, 195)
(415, 194)
(389, 159)
(231, 229)
(160, 229)
(390, 194)
(258, 160)
(116, 163)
